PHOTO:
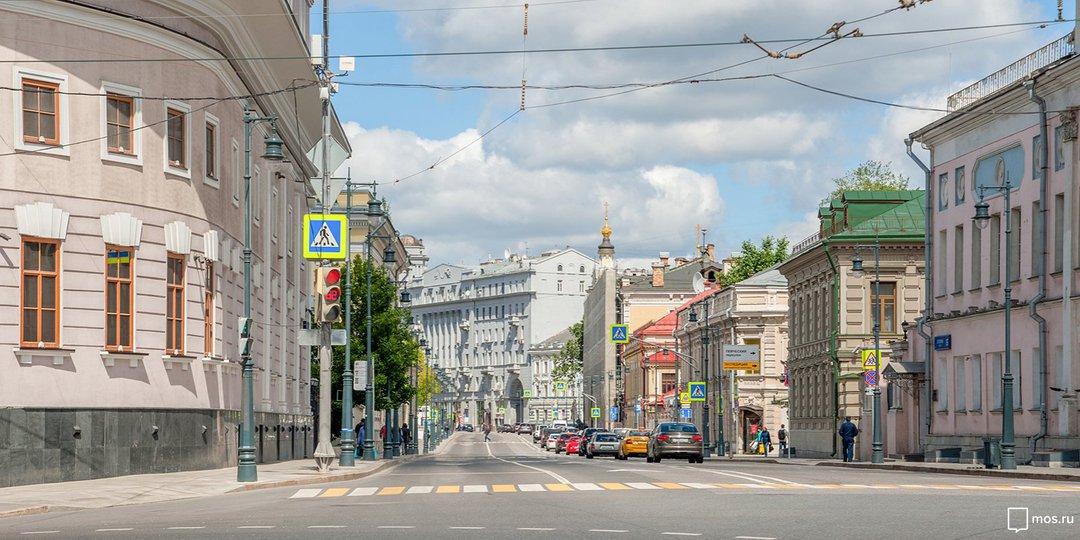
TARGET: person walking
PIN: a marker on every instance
(765, 440)
(360, 432)
(781, 437)
(487, 432)
(405, 437)
(848, 431)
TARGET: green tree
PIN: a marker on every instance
(568, 360)
(869, 176)
(426, 385)
(755, 258)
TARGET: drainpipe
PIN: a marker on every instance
(833, 345)
(928, 294)
(1033, 304)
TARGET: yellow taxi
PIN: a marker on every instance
(634, 443)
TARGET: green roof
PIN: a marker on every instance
(898, 215)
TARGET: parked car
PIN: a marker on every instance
(603, 444)
(560, 442)
(573, 443)
(635, 443)
(549, 440)
(675, 439)
(587, 435)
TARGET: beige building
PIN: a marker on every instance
(122, 218)
(649, 362)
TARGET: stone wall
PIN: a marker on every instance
(61, 445)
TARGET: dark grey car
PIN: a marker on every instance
(675, 440)
(602, 444)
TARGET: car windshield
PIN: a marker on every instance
(678, 428)
(606, 437)
(638, 433)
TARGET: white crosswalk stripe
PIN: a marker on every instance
(587, 487)
(475, 489)
(419, 489)
(306, 493)
(642, 485)
(363, 492)
(531, 487)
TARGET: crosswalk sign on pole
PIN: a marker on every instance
(595, 413)
(870, 360)
(324, 236)
(697, 391)
(684, 397)
(620, 333)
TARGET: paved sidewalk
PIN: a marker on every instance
(1025, 472)
(148, 488)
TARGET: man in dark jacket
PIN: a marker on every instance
(781, 437)
(848, 432)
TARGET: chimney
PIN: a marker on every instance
(711, 248)
(657, 275)
(664, 256)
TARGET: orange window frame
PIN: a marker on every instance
(208, 310)
(177, 116)
(38, 87)
(174, 304)
(118, 257)
(37, 276)
(121, 127)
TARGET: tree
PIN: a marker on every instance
(869, 176)
(568, 360)
(755, 259)
(426, 385)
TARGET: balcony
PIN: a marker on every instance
(1016, 71)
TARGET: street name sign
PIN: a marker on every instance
(620, 333)
(637, 407)
(742, 357)
(324, 236)
(697, 391)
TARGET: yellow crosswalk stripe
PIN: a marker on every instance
(613, 486)
(558, 487)
(392, 491)
(335, 492)
(503, 488)
(448, 489)
(670, 485)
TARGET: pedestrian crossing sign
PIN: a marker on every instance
(684, 397)
(560, 386)
(502, 411)
(527, 393)
(620, 333)
(434, 414)
(324, 236)
(870, 360)
(697, 391)
(595, 413)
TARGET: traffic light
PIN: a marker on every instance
(326, 286)
(245, 342)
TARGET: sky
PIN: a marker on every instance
(749, 155)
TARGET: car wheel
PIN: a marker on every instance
(656, 459)
(588, 456)
(701, 459)
(692, 460)
(648, 459)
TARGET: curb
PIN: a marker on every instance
(344, 477)
(962, 472)
(28, 511)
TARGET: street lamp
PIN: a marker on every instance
(374, 209)
(705, 368)
(878, 455)
(981, 219)
(348, 436)
(245, 469)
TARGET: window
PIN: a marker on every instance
(118, 298)
(995, 249)
(581, 286)
(1036, 157)
(942, 373)
(176, 138)
(667, 382)
(1059, 231)
(943, 191)
(208, 310)
(995, 379)
(581, 269)
(958, 259)
(560, 268)
(558, 285)
(976, 383)
(1037, 381)
(210, 155)
(942, 257)
(1059, 150)
(238, 174)
(1014, 246)
(886, 307)
(976, 257)
(892, 396)
(275, 221)
(174, 304)
(959, 187)
(41, 112)
(1036, 256)
(960, 391)
(40, 293)
(119, 122)
(1016, 368)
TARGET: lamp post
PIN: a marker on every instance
(981, 219)
(348, 436)
(705, 368)
(374, 209)
(245, 469)
(878, 455)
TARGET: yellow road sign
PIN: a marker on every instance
(870, 360)
(684, 397)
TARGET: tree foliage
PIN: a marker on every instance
(755, 258)
(426, 385)
(568, 360)
(869, 176)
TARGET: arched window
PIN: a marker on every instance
(581, 269)
(560, 268)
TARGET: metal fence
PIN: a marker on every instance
(1016, 71)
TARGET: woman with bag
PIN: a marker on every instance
(765, 440)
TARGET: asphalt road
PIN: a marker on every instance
(510, 489)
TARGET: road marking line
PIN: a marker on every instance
(392, 491)
(884, 486)
(419, 490)
(755, 537)
(828, 486)
(468, 528)
(670, 485)
(448, 489)
(335, 492)
(475, 489)
(256, 526)
(363, 491)
(396, 527)
(558, 487)
(114, 530)
(730, 486)
(530, 487)
(913, 486)
(503, 488)
(535, 529)
(1032, 488)
(681, 534)
(614, 486)
(549, 473)
(854, 486)
(184, 528)
(305, 493)
(609, 530)
(326, 526)
(745, 476)
(940, 486)
(1003, 488)
(642, 485)
(587, 486)
(40, 532)
(696, 485)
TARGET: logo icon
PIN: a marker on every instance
(1017, 519)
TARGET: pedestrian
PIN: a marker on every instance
(781, 437)
(848, 432)
(382, 435)
(487, 432)
(765, 440)
(405, 434)
(360, 432)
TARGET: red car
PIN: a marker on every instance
(572, 444)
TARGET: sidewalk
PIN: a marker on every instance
(1023, 472)
(148, 488)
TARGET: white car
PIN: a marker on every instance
(549, 444)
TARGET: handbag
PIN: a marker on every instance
(753, 446)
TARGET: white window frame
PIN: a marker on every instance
(20, 73)
(238, 173)
(168, 167)
(214, 182)
(136, 156)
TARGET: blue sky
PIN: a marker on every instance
(743, 158)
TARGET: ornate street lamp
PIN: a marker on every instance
(878, 455)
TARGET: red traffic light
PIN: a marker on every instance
(332, 294)
(332, 276)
